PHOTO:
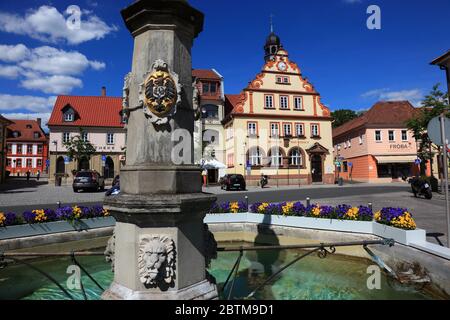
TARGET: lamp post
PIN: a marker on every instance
(444, 64)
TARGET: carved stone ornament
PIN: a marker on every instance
(111, 250)
(196, 103)
(156, 260)
(160, 93)
(125, 96)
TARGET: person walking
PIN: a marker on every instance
(38, 176)
(28, 175)
(205, 177)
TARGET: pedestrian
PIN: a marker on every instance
(205, 177)
(38, 176)
(28, 175)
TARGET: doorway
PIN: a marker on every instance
(83, 164)
(108, 171)
(60, 165)
(316, 168)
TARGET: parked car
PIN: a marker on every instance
(88, 180)
(233, 181)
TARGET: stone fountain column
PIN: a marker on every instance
(160, 248)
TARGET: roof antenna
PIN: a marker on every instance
(271, 23)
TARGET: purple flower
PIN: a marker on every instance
(243, 206)
(388, 214)
(97, 211)
(274, 208)
(51, 215)
(298, 209)
(254, 207)
(341, 210)
(214, 208)
(224, 207)
(326, 211)
(85, 213)
(365, 214)
(64, 213)
(11, 219)
(29, 216)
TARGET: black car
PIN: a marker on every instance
(233, 181)
(88, 180)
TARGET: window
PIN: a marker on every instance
(205, 88)
(210, 111)
(315, 132)
(29, 163)
(19, 149)
(391, 135)
(19, 163)
(295, 158)
(285, 80)
(68, 116)
(339, 147)
(110, 138)
(360, 139)
(284, 102)
(300, 129)
(230, 160)
(251, 127)
(378, 137)
(8, 162)
(274, 130)
(279, 79)
(29, 149)
(213, 88)
(287, 129)
(298, 103)
(404, 135)
(349, 143)
(276, 157)
(66, 137)
(37, 135)
(39, 163)
(269, 102)
(84, 137)
(255, 157)
(9, 148)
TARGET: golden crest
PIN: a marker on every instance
(160, 93)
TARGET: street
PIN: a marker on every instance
(19, 196)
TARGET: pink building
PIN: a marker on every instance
(377, 146)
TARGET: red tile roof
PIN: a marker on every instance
(4, 120)
(383, 113)
(27, 128)
(90, 111)
(231, 100)
(206, 74)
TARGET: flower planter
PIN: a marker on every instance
(405, 237)
(29, 230)
(226, 218)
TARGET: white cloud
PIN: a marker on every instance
(48, 24)
(52, 84)
(33, 104)
(53, 61)
(10, 72)
(13, 53)
(413, 95)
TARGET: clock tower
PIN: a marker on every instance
(271, 47)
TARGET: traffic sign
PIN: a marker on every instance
(350, 164)
(434, 130)
(66, 160)
(103, 158)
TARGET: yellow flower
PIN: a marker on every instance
(287, 209)
(40, 216)
(234, 207)
(262, 207)
(377, 216)
(352, 213)
(76, 212)
(105, 213)
(2, 218)
(316, 211)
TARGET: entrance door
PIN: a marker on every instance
(316, 168)
(108, 171)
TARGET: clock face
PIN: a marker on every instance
(282, 66)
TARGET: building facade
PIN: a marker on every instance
(377, 146)
(27, 148)
(210, 140)
(3, 148)
(95, 119)
(278, 126)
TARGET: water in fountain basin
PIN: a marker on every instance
(312, 278)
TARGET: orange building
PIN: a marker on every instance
(377, 146)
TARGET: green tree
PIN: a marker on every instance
(78, 149)
(434, 104)
(342, 116)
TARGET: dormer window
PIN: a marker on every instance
(29, 126)
(15, 134)
(37, 135)
(68, 116)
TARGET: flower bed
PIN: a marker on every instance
(394, 217)
(71, 214)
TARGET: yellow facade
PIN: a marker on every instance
(279, 110)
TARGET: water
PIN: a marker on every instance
(312, 278)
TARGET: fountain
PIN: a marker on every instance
(160, 246)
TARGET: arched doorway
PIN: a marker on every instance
(108, 170)
(60, 166)
(83, 164)
(316, 168)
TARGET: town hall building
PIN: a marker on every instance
(277, 126)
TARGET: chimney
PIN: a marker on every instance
(103, 91)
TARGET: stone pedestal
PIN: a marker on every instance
(160, 239)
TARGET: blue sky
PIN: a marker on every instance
(350, 65)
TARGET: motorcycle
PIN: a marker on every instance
(264, 181)
(421, 187)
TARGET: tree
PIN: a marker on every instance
(434, 104)
(78, 149)
(342, 116)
